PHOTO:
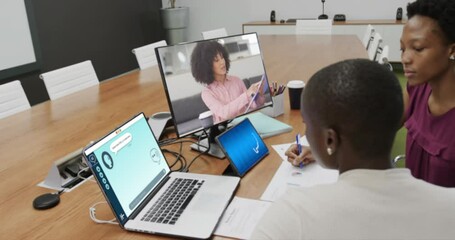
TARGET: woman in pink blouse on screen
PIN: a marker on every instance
(225, 95)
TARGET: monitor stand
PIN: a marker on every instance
(158, 122)
(215, 149)
(229, 171)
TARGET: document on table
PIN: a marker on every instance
(265, 125)
(281, 148)
(288, 176)
(241, 217)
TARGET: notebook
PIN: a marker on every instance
(243, 146)
(139, 186)
(262, 85)
(265, 125)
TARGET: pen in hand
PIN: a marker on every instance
(299, 148)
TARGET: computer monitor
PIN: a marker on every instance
(198, 95)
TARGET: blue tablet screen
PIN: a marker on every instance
(243, 146)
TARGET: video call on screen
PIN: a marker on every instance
(184, 91)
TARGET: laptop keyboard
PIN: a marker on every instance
(170, 206)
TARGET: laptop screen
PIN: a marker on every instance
(243, 146)
(128, 165)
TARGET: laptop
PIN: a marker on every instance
(243, 146)
(143, 193)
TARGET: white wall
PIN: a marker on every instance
(16, 46)
(231, 14)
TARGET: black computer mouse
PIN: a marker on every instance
(161, 115)
(46, 201)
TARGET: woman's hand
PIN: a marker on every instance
(253, 89)
(299, 160)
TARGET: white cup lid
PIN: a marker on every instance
(296, 84)
(205, 114)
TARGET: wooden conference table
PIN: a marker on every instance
(32, 140)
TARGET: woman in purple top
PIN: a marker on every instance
(225, 95)
(428, 57)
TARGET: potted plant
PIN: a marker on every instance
(175, 21)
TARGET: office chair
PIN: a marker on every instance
(216, 33)
(397, 161)
(383, 58)
(12, 99)
(145, 55)
(374, 46)
(70, 79)
(313, 27)
(368, 36)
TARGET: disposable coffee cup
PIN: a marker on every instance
(206, 119)
(295, 91)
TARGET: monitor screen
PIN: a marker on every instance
(212, 81)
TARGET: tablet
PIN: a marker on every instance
(262, 84)
(242, 146)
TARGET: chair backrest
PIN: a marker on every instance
(368, 36)
(397, 159)
(216, 33)
(145, 55)
(384, 58)
(12, 99)
(314, 27)
(373, 49)
(70, 79)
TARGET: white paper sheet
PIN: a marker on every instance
(289, 176)
(241, 217)
(281, 148)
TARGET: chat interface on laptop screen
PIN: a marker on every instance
(243, 146)
(128, 164)
(189, 96)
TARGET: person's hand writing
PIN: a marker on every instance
(295, 158)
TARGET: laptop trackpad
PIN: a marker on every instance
(207, 202)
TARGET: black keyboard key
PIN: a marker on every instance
(187, 201)
(171, 204)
